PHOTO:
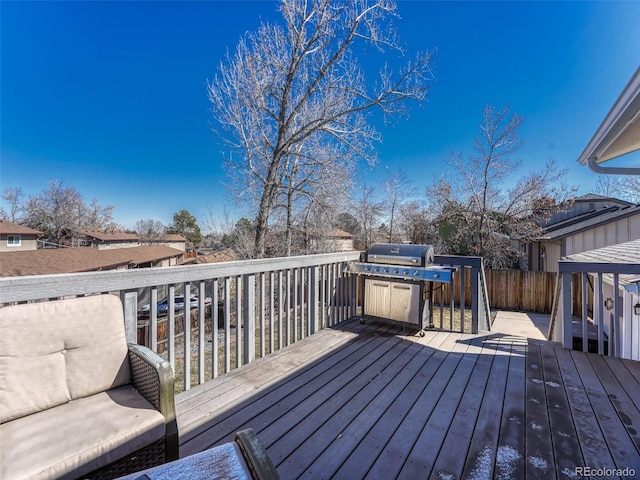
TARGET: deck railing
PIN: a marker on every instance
(605, 322)
(245, 309)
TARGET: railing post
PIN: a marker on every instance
(462, 296)
(475, 300)
(567, 330)
(599, 313)
(249, 307)
(130, 303)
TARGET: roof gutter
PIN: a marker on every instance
(619, 133)
(593, 165)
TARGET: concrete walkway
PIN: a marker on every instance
(521, 324)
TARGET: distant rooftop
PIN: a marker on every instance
(73, 260)
(8, 228)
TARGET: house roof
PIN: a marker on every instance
(130, 237)
(619, 132)
(173, 237)
(73, 260)
(8, 228)
(112, 236)
(622, 253)
(587, 221)
(594, 197)
(226, 255)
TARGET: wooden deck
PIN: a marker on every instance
(367, 401)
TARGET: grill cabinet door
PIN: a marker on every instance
(405, 302)
(377, 298)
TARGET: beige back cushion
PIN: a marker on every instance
(54, 352)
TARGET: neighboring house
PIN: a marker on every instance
(226, 255)
(596, 222)
(173, 240)
(73, 260)
(590, 202)
(108, 240)
(111, 240)
(334, 240)
(628, 296)
(14, 237)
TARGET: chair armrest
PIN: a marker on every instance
(256, 456)
(153, 377)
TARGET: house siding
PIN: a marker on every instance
(620, 231)
(26, 243)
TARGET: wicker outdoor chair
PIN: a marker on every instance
(77, 401)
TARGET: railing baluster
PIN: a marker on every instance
(186, 313)
(261, 304)
(585, 331)
(153, 319)
(201, 334)
(289, 306)
(130, 303)
(441, 304)
(303, 303)
(280, 308)
(462, 296)
(214, 328)
(323, 292)
(271, 311)
(171, 327)
(239, 321)
(249, 317)
(227, 324)
(296, 281)
(599, 308)
(615, 325)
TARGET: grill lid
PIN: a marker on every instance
(400, 254)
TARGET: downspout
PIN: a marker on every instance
(594, 167)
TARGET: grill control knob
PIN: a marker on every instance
(416, 273)
(406, 272)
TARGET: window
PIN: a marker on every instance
(14, 240)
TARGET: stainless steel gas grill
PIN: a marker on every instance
(396, 279)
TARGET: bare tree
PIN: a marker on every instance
(368, 209)
(298, 92)
(479, 215)
(631, 187)
(397, 187)
(418, 223)
(14, 196)
(610, 186)
(150, 231)
(62, 214)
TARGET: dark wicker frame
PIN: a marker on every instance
(153, 377)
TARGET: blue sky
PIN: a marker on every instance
(111, 96)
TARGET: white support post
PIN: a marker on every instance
(567, 330)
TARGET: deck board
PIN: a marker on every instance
(375, 401)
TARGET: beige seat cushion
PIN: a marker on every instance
(54, 352)
(78, 437)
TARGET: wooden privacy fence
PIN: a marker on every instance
(510, 290)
